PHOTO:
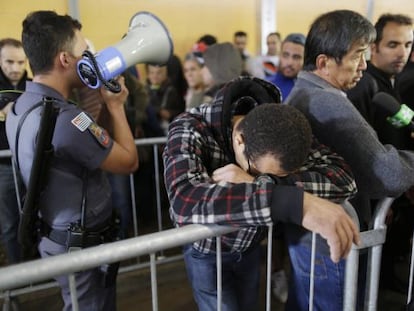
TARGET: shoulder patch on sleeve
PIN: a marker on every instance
(100, 134)
(82, 121)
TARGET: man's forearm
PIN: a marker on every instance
(121, 132)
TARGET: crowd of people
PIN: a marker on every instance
(284, 138)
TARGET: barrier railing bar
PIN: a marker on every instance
(5, 153)
(29, 289)
(44, 269)
(150, 141)
(52, 283)
(372, 237)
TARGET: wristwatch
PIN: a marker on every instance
(2, 116)
(264, 178)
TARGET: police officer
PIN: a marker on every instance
(77, 198)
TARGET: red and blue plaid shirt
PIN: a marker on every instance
(194, 150)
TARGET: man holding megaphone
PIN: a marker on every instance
(147, 41)
(75, 208)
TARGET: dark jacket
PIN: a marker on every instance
(6, 85)
(165, 97)
(405, 83)
(373, 81)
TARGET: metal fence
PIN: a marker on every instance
(25, 277)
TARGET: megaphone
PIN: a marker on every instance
(147, 41)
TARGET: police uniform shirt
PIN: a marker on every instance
(80, 146)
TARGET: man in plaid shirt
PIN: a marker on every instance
(199, 161)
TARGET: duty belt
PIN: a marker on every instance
(77, 237)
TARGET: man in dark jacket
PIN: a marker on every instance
(406, 82)
(13, 76)
(389, 55)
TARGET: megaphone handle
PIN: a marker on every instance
(111, 85)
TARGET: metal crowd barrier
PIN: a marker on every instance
(154, 143)
(26, 273)
(372, 240)
(29, 273)
(44, 269)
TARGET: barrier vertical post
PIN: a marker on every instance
(410, 281)
(269, 267)
(133, 204)
(351, 266)
(219, 273)
(157, 186)
(374, 255)
(154, 288)
(312, 272)
(73, 292)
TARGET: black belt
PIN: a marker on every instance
(82, 240)
(79, 238)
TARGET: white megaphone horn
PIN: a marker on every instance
(147, 41)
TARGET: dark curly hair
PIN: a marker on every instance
(279, 130)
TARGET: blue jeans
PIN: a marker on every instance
(9, 213)
(328, 281)
(240, 283)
